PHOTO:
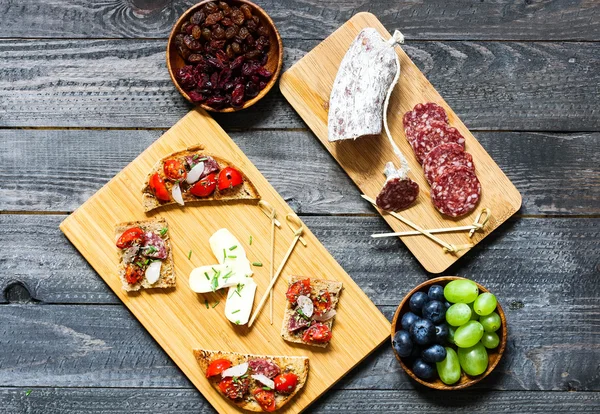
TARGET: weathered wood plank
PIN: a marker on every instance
(50, 170)
(104, 346)
(119, 83)
(170, 401)
(439, 19)
(559, 255)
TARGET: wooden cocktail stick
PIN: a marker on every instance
(448, 248)
(269, 210)
(476, 226)
(297, 233)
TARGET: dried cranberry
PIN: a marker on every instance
(185, 77)
(222, 56)
(228, 86)
(237, 63)
(262, 85)
(214, 79)
(216, 101)
(196, 96)
(224, 77)
(198, 17)
(251, 90)
(250, 68)
(264, 72)
(264, 59)
(254, 79)
(203, 81)
(213, 61)
(237, 96)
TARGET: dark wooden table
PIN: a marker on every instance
(84, 89)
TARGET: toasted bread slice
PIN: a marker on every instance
(334, 288)
(246, 191)
(296, 364)
(167, 272)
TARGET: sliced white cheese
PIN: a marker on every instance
(195, 173)
(228, 250)
(210, 278)
(239, 301)
(176, 193)
(264, 380)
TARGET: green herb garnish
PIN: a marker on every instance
(215, 282)
(266, 388)
(233, 247)
(235, 311)
(27, 393)
(250, 241)
(232, 257)
(302, 314)
(163, 231)
(216, 303)
(206, 303)
(189, 255)
(237, 322)
(257, 264)
(151, 249)
(206, 274)
(228, 275)
(224, 254)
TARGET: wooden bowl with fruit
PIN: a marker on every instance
(449, 333)
(224, 56)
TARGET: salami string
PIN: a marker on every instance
(472, 228)
(448, 248)
(292, 220)
(270, 212)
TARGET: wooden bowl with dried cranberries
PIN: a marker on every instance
(224, 55)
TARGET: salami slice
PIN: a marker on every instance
(456, 192)
(397, 194)
(428, 136)
(423, 114)
(445, 156)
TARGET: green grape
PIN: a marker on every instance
(474, 316)
(474, 359)
(461, 291)
(449, 368)
(451, 330)
(468, 334)
(458, 314)
(485, 304)
(491, 322)
(490, 340)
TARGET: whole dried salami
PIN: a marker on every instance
(366, 73)
(443, 157)
(428, 136)
(397, 194)
(456, 192)
(424, 113)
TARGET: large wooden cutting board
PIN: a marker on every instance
(307, 86)
(178, 318)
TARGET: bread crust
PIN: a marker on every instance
(167, 272)
(297, 364)
(246, 191)
(333, 287)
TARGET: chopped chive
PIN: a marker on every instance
(189, 255)
(215, 305)
(257, 264)
(163, 231)
(266, 388)
(206, 274)
(237, 322)
(206, 303)
(250, 241)
(244, 376)
(139, 264)
(235, 311)
(232, 257)
(228, 275)
(224, 254)
(27, 393)
(151, 249)
(233, 247)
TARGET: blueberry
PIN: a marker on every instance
(436, 292)
(447, 304)
(441, 333)
(435, 311)
(408, 319)
(422, 332)
(402, 344)
(423, 370)
(435, 353)
(417, 301)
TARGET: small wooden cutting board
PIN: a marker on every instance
(178, 318)
(307, 86)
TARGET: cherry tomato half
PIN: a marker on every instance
(158, 187)
(322, 303)
(217, 366)
(266, 399)
(301, 287)
(234, 389)
(318, 333)
(205, 186)
(229, 177)
(286, 383)
(175, 170)
(133, 274)
(129, 237)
